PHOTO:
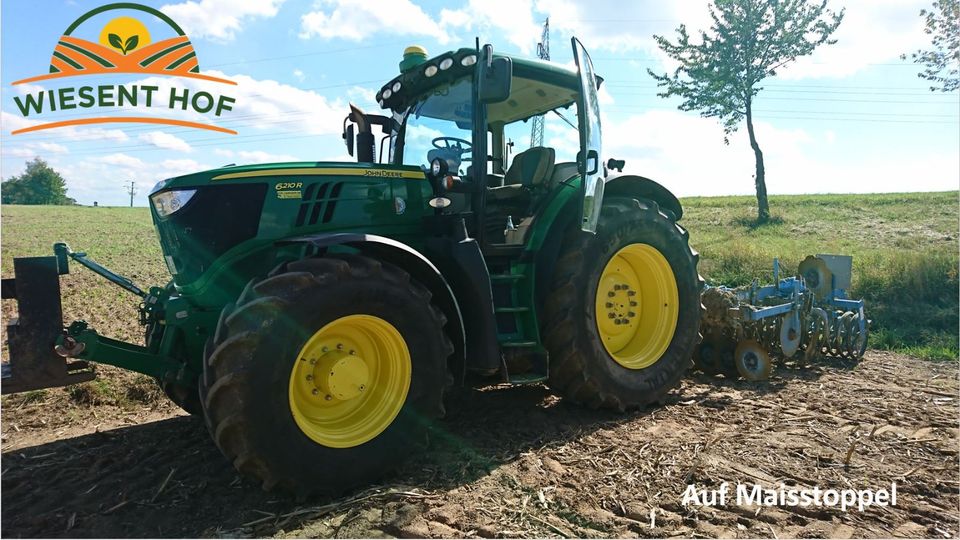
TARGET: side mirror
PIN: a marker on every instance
(496, 75)
(348, 138)
(591, 164)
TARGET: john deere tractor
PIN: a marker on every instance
(318, 312)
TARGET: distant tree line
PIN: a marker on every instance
(39, 184)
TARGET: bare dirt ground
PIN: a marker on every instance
(519, 462)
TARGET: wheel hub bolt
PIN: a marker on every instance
(327, 397)
(611, 294)
(339, 346)
(609, 304)
(352, 352)
(325, 349)
(631, 293)
(315, 391)
(610, 315)
(309, 377)
(632, 303)
(617, 321)
(631, 314)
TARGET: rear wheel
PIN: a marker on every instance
(325, 374)
(624, 317)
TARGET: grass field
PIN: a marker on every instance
(905, 252)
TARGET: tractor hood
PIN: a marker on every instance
(212, 215)
(250, 173)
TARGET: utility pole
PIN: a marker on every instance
(132, 190)
(543, 53)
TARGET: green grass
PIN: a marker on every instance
(904, 246)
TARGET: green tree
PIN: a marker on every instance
(748, 41)
(39, 184)
(942, 62)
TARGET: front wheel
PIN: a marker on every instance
(624, 316)
(325, 374)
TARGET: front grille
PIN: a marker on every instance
(216, 219)
(319, 202)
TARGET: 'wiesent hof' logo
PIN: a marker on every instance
(124, 46)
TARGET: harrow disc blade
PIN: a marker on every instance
(790, 334)
(816, 275)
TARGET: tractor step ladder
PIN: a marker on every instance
(513, 303)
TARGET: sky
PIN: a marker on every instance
(852, 117)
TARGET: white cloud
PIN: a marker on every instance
(36, 149)
(686, 154)
(165, 141)
(121, 160)
(355, 21)
(255, 156)
(513, 18)
(12, 122)
(298, 74)
(219, 19)
(873, 32)
(104, 178)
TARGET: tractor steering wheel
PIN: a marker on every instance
(462, 145)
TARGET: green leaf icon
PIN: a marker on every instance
(116, 42)
(131, 43)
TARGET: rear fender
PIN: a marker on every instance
(629, 185)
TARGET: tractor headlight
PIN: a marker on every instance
(468, 60)
(430, 70)
(168, 202)
(446, 64)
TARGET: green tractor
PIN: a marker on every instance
(319, 311)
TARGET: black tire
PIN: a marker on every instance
(715, 356)
(581, 369)
(249, 362)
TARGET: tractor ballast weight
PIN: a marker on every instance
(318, 311)
(809, 315)
(33, 334)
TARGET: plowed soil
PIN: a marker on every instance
(520, 462)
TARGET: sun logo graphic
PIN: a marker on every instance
(123, 44)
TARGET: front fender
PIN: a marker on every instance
(413, 262)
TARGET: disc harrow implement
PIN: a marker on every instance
(807, 317)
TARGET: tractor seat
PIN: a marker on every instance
(530, 168)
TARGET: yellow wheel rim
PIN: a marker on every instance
(637, 306)
(350, 381)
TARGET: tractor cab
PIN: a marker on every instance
(463, 118)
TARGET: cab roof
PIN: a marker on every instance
(537, 86)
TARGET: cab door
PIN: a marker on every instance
(588, 115)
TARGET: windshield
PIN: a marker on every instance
(439, 126)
